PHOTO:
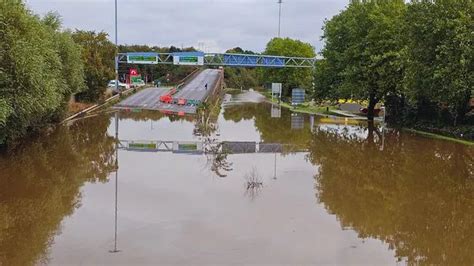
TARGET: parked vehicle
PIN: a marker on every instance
(120, 85)
(365, 111)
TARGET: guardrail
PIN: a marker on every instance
(98, 105)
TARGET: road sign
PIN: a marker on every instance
(276, 88)
(297, 96)
(189, 58)
(133, 72)
(142, 58)
(136, 79)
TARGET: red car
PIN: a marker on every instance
(366, 111)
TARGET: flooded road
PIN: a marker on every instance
(329, 191)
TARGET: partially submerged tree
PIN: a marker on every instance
(417, 57)
(363, 52)
(37, 72)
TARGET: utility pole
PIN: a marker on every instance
(279, 17)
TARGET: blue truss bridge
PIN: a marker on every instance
(216, 59)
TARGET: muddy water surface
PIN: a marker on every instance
(331, 192)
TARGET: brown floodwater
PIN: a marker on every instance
(329, 191)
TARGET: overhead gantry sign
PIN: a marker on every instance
(216, 59)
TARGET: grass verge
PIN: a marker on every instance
(306, 107)
(437, 136)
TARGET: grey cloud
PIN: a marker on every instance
(220, 25)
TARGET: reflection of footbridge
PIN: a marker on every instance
(200, 147)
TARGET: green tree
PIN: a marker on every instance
(238, 77)
(363, 52)
(439, 57)
(324, 82)
(36, 76)
(70, 54)
(98, 55)
(289, 77)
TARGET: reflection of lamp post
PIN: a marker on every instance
(115, 250)
(383, 127)
(275, 168)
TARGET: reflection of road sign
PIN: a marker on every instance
(297, 96)
(187, 147)
(142, 58)
(188, 58)
(269, 147)
(276, 111)
(239, 147)
(141, 145)
(297, 121)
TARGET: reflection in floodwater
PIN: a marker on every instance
(40, 184)
(116, 120)
(416, 194)
(297, 121)
(217, 158)
(413, 193)
(253, 183)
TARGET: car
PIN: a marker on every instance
(120, 85)
(365, 111)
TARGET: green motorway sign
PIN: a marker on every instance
(188, 59)
(142, 59)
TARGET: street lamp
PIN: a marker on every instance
(116, 50)
(279, 17)
(115, 250)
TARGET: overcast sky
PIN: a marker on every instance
(212, 25)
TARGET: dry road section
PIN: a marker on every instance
(196, 90)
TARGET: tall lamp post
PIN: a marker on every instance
(279, 17)
(116, 49)
(115, 250)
